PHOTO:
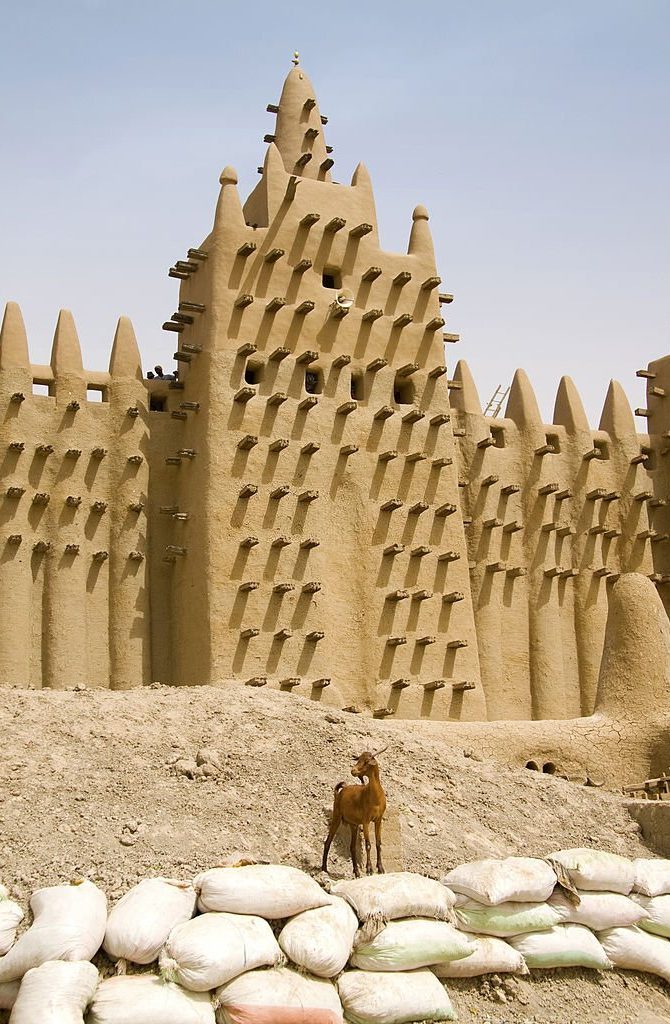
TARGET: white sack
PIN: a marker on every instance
(9, 990)
(597, 870)
(146, 999)
(320, 940)
(370, 997)
(214, 948)
(637, 950)
(657, 914)
(139, 924)
(507, 918)
(566, 945)
(598, 910)
(490, 956)
(264, 890)
(261, 996)
(69, 924)
(406, 945)
(512, 880)
(398, 894)
(652, 876)
(10, 917)
(55, 993)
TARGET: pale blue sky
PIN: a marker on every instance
(537, 133)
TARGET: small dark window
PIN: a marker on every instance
(157, 403)
(549, 768)
(313, 381)
(253, 372)
(553, 440)
(331, 278)
(403, 391)
(498, 435)
(356, 387)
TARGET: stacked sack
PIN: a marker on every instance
(254, 944)
(406, 927)
(606, 912)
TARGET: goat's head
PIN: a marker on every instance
(366, 761)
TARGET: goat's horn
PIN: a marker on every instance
(380, 751)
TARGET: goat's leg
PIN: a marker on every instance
(366, 837)
(353, 849)
(334, 825)
(378, 842)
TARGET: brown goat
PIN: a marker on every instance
(357, 806)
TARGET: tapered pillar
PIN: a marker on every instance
(129, 627)
(65, 661)
(15, 575)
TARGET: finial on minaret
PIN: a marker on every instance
(65, 351)
(420, 239)
(13, 340)
(296, 58)
(522, 404)
(125, 360)
(228, 176)
(229, 208)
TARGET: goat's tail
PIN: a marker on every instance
(338, 788)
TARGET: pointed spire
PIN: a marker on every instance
(361, 181)
(420, 238)
(263, 203)
(229, 206)
(65, 351)
(13, 340)
(617, 415)
(299, 130)
(568, 410)
(125, 360)
(522, 404)
(361, 177)
(465, 398)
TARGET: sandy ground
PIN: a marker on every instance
(98, 784)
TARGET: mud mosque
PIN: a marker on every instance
(318, 503)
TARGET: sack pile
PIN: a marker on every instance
(265, 942)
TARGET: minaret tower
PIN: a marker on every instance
(322, 548)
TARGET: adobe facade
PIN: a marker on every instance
(318, 504)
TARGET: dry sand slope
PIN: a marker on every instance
(92, 782)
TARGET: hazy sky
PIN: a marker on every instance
(536, 132)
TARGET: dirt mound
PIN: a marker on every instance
(118, 786)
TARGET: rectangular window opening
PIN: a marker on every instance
(603, 449)
(157, 403)
(404, 391)
(357, 386)
(314, 381)
(553, 440)
(331, 278)
(254, 371)
(39, 388)
(94, 394)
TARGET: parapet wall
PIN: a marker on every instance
(74, 477)
(554, 513)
